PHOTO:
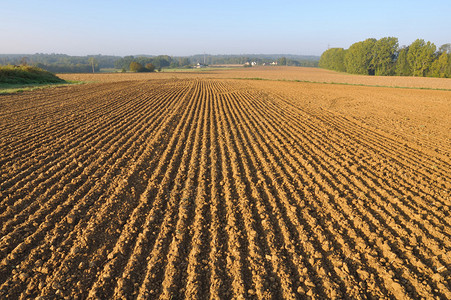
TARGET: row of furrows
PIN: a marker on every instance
(421, 135)
(407, 203)
(90, 202)
(149, 227)
(64, 169)
(173, 279)
(368, 161)
(52, 137)
(266, 283)
(171, 264)
(39, 118)
(95, 133)
(404, 187)
(94, 169)
(164, 246)
(275, 203)
(235, 234)
(271, 138)
(269, 171)
(139, 222)
(218, 283)
(291, 193)
(280, 277)
(239, 198)
(410, 157)
(291, 263)
(97, 228)
(11, 104)
(378, 142)
(281, 191)
(23, 166)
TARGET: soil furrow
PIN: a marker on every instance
(204, 188)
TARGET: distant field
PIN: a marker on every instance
(277, 73)
(196, 185)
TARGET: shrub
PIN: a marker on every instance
(136, 67)
(150, 67)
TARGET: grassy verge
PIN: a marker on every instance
(110, 70)
(20, 88)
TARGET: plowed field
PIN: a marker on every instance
(215, 188)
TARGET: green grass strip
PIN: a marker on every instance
(20, 88)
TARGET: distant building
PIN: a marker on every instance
(253, 63)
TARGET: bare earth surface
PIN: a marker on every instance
(276, 73)
(198, 186)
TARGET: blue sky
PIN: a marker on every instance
(216, 27)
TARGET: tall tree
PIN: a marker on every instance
(420, 57)
(384, 55)
(445, 48)
(92, 62)
(24, 61)
(402, 67)
(333, 59)
(359, 58)
(136, 67)
(282, 61)
(440, 67)
(150, 67)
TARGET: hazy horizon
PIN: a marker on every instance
(179, 28)
(155, 55)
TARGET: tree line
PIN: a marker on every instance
(384, 57)
(62, 63)
(159, 62)
(260, 59)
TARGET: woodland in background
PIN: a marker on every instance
(62, 63)
(384, 57)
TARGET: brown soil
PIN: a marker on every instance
(276, 73)
(214, 188)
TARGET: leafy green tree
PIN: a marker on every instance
(150, 67)
(384, 55)
(359, 57)
(420, 57)
(136, 67)
(92, 62)
(440, 67)
(445, 48)
(282, 61)
(448, 68)
(333, 59)
(402, 67)
(162, 61)
(184, 61)
(124, 63)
